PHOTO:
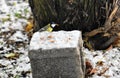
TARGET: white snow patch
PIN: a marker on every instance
(3, 7)
(111, 60)
(49, 40)
(18, 36)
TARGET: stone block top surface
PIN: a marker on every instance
(50, 40)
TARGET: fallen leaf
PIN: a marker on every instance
(12, 55)
(52, 41)
(100, 63)
(89, 67)
(29, 27)
(50, 36)
(88, 64)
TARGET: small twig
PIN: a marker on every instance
(94, 32)
(103, 71)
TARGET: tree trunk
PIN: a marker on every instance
(84, 15)
(92, 16)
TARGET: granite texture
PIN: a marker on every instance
(65, 62)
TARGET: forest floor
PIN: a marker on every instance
(15, 26)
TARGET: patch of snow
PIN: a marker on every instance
(60, 39)
(111, 60)
(3, 7)
(18, 36)
(14, 15)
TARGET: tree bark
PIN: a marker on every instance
(84, 15)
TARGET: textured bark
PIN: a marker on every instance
(84, 15)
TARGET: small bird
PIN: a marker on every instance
(49, 27)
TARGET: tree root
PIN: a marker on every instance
(107, 25)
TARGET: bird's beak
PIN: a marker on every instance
(57, 24)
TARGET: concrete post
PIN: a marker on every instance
(57, 55)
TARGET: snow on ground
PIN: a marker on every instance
(107, 63)
(14, 61)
